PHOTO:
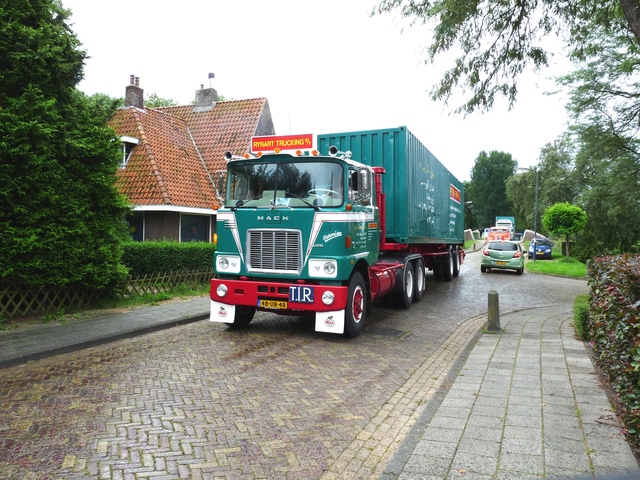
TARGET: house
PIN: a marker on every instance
(173, 159)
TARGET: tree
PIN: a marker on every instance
(62, 217)
(488, 188)
(499, 40)
(557, 182)
(154, 101)
(564, 219)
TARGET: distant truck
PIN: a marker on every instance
(507, 222)
(328, 231)
(499, 233)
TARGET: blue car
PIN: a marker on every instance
(542, 246)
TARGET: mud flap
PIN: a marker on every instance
(221, 312)
(330, 322)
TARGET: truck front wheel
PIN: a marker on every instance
(356, 309)
(243, 316)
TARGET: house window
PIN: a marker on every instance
(194, 228)
(128, 144)
(136, 226)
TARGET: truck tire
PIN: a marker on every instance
(356, 309)
(456, 261)
(437, 270)
(243, 317)
(405, 288)
(447, 267)
(419, 284)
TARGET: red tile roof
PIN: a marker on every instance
(181, 150)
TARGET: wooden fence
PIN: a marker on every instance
(20, 302)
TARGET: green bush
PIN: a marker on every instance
(159, 257)
(581, 316)
(614, 330)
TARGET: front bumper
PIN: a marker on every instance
(280, 298)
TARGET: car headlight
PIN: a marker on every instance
(222, 290)
(323, 268)
(228, 264)
(328, 298)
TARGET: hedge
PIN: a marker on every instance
(614, 330)
(159, 257)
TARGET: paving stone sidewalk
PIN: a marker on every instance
(527, 404)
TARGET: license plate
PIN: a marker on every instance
(502, 263)
(272, 304)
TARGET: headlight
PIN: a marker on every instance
(328, 298)
(228, 264)
(323, 268)
(221, 291)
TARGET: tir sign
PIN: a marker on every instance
(300, 294)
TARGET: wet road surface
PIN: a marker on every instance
(275, 400)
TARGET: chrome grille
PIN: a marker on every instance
(274, 251)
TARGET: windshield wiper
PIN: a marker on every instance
(315, 207)
(242, 202)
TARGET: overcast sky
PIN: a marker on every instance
(324, 66)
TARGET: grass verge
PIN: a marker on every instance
(558, 265)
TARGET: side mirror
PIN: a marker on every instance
(364, 185)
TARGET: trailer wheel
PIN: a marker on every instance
(419, 284)
(437, 270)
(456, 261)
(356, 309)
(447, 267)
(243, 317)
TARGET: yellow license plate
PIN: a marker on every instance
(272, 304)
(502, 263)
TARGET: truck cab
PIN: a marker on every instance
(291, 234)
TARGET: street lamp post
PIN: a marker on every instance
(535, 210)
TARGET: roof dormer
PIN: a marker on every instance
(128, 144)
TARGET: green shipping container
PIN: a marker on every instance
(425, 202)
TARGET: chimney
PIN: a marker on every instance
(134, 95)
(206, 98)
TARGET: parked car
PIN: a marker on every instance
(542, 247)
(502, 254)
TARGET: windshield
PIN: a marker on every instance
(286, 184)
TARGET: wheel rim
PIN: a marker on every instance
(357, 307)
(420, 277)
(408, 284)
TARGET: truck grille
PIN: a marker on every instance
(274, 251)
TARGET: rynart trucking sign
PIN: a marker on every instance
(282, 142)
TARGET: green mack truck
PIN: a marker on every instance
(327, 232)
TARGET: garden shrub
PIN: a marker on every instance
(581, 316)
(167, 256)
(614, 330)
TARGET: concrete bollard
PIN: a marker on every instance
(493, 312)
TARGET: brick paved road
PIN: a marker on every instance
(276, 400)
